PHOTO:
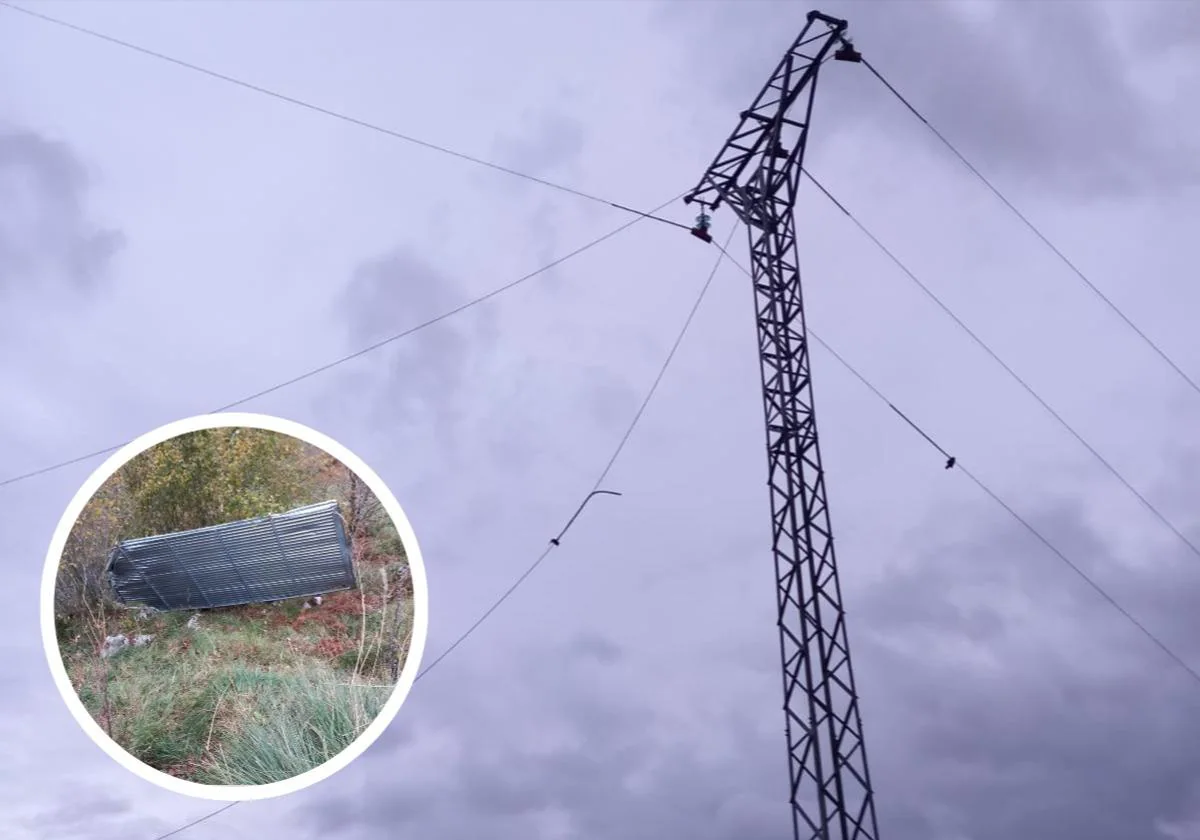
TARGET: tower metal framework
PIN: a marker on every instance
(757, 173)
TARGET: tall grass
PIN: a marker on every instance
(294, 722)
(236, 701)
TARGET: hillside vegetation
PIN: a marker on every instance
(242, 695)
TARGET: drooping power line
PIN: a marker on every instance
(1012, 512)
(579, 193)
(622, 207)
(554, 543)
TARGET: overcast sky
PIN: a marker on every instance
(170, 243)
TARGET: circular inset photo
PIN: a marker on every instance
(234, 606)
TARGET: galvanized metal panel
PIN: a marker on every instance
(288, 555)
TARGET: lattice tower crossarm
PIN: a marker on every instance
(757, 174)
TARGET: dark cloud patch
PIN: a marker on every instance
(543, 226)
(1003, 699)
(46, 235)
(613, 782)
(599, 765)
(1038, 91)
(549, 144)
(596, 647)
(1165, 25)
(424, 372)
(609, 399)
(387, 804)
(550, 141)
(88, 812)
(1032, 708)
(1185, 825)
(622, 784)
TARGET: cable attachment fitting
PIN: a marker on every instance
(847, 52)
(950, 462)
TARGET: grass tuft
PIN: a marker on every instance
(291, 723)
(250, 696)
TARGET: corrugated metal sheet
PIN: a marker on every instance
(288, 555)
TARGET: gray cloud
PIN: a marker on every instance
(551, 142)
(1004, 697)
(595, 764)
(1164, 25)
(46, 235)
(1036, 710)
(88, 808)
(401, 290)
(1040, 92)
(598, 648)
(630, 689)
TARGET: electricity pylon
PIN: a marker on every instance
(757, 173)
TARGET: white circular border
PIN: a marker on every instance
(236, 793)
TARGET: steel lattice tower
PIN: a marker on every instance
(757, 173)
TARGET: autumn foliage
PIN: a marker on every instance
(207, 478)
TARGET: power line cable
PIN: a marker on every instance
(338, 115)
(1035, 230)
(1012, 512)
(1025, 523)
(1009, 370)
(612, 460)
(175, 832)
(554, 543)
(587, 196)
(365, 350)
(651, 215)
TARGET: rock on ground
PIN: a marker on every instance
(113, 645)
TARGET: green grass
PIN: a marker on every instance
(298, 721)
(253, 695)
